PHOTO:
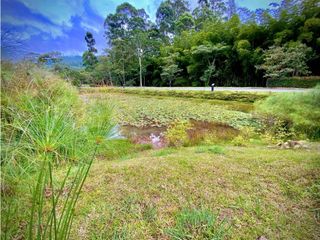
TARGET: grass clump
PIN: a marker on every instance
(44, 128)
(298, 112)
(198, 224)
(210, 149)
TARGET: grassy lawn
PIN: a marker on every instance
(256, 190)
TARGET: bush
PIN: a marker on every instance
(239, 141)
(294, 82)
(177, 134)
(299, 112)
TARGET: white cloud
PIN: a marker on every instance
(89, 27)
(54, 31)
(105, 7)
(58, 11)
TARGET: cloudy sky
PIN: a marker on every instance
(60, 25)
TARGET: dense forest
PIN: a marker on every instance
(216, 42)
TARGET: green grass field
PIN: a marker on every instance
(256, 190)
(225, 180)
(207, 191)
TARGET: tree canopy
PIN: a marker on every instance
(216, 42)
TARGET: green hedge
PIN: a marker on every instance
(221, 95)
(295, 82)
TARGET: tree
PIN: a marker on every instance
(170, 69)
(124, 21)
(90, 42)
(120, 54)
(103, 71)
(88, 58)
(139, 41)
(184, 23)
(167, 15)
(288, 60)
(49, 58)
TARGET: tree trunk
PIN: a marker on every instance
(140, 71)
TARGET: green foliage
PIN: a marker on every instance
(239, 141)
(170, 69)
(44, 128)
(217, 42)
(177, 134)
(286, 61)
(294, 82)
(185, 22)
(299, 111)
(198, 224)
(74, 76)
(89, 60)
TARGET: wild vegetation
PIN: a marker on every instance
(201, 184)
(82, 162)
(44, 128)
(215, 42)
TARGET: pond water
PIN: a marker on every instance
(156, 135)
(145, 135)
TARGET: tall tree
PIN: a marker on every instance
(168, 13)
(170, 69)
(89, 58)
(184, 23)
(90, 42)
(125, 20)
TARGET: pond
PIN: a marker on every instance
(197, 133)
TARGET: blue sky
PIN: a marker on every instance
(60, 25)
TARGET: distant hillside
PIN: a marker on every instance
(72, 61)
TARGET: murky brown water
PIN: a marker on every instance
(200, 129)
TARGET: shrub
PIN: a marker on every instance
(239, 141)
(294, 82)
(198, 224)
(299, 111)
(176, 133)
